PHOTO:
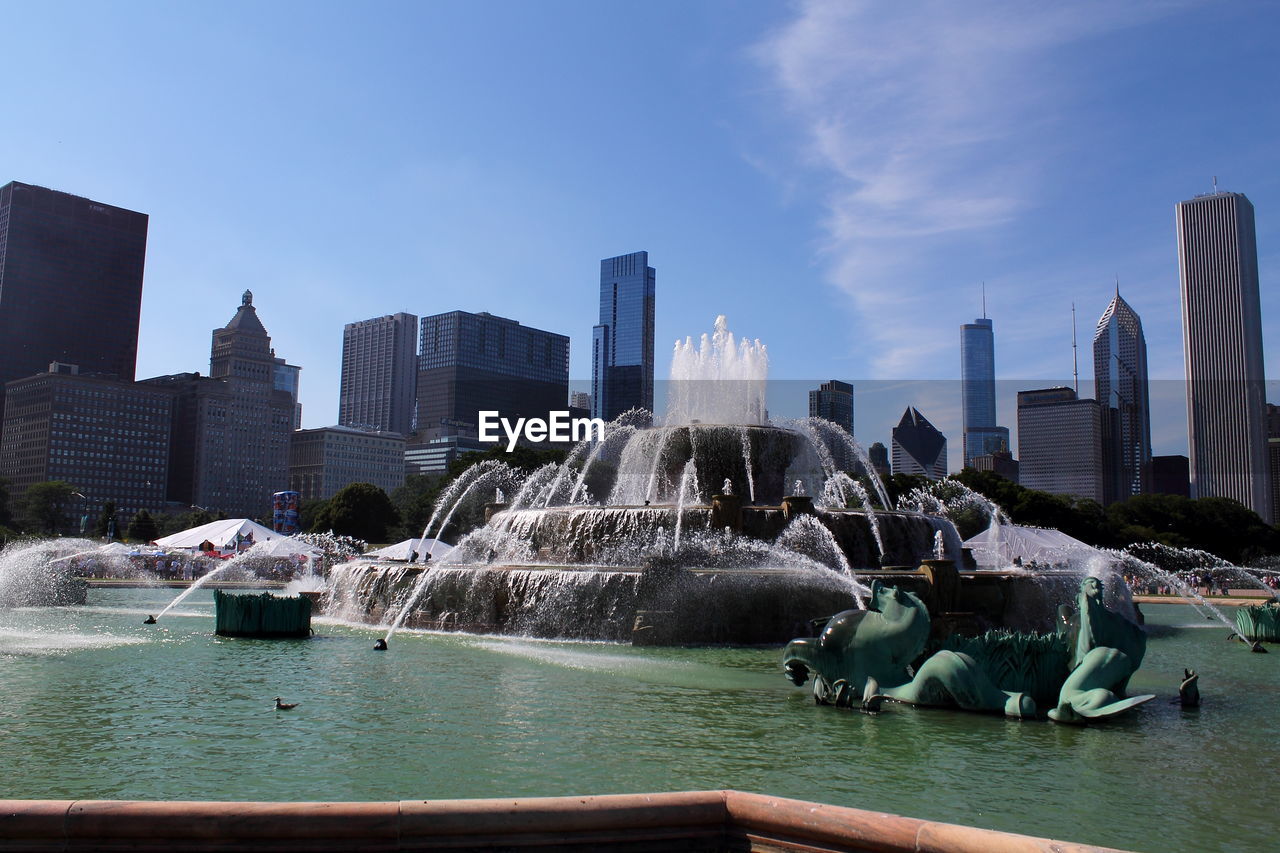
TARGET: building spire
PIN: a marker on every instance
(984, 299)
(1075, 362)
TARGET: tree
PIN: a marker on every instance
(143, 527)
(177, 522)
(107, 526)
(361, 510)
(44, 505)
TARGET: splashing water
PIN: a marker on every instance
(688, 485)
(719, 381)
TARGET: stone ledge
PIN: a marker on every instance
(695, 820)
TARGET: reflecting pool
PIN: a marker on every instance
(97, 705)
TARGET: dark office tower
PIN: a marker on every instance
(833, 401)
(1222, 345)
(981, 435)
(1169, 476)
(1273, 459)
(470, 363)
(379, 373)
(70, 283)
(1120, 382)
(229, 446)
(878, 454)
(918, 447)
(622, 344)
(1060, 443)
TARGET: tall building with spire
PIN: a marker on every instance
(622, 342)
(1120, 385)
(918, 447)
(229, 442)
(981, 435)
(1222, 346)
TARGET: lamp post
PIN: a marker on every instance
(84, 516)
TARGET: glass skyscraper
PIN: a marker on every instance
(978, 392)
(918, 447)
(622, 343)
(1120, 383)
(469, 363)
(1222, 345)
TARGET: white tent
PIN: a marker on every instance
(999, 547)
(224, 535)
(115, 549)
(286, 546)
(401, 550)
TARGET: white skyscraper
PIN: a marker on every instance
(1222, 346)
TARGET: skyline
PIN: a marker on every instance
(814, 157)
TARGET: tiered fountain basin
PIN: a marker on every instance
(715, 590)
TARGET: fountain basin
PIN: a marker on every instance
(669, 605)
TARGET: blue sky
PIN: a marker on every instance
(837, 177)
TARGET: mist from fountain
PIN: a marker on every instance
(38, 572)
(719, 381)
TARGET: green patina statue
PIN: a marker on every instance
(873, 649)
(1106, 649)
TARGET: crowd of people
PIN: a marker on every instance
(1207, 582)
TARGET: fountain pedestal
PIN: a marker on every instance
(726, 511)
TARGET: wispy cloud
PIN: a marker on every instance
(933, 122)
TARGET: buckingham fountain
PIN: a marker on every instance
(690, 538)
(711, 525)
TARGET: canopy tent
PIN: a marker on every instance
(226, 535)
(401, 550)
(287, 546)
(1005, 545)
(115, 549)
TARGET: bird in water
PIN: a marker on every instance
(285, 706)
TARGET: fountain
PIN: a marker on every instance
(664, 557)
(39, 573)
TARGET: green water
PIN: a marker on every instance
(94, 704)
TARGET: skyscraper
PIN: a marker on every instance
(470, 363)
(622, 343)
(1222, 346)
(1120, 382)
(379, 373)
(833, 401)
(981, 435)
(70, 283)
(1060, 443)
(918, 447)
(229, 444)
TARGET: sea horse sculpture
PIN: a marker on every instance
(1106, 649)
(871, 651)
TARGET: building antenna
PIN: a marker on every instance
(1215, 184)
(984, 300)
(1117, 284)
(1075, 363)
